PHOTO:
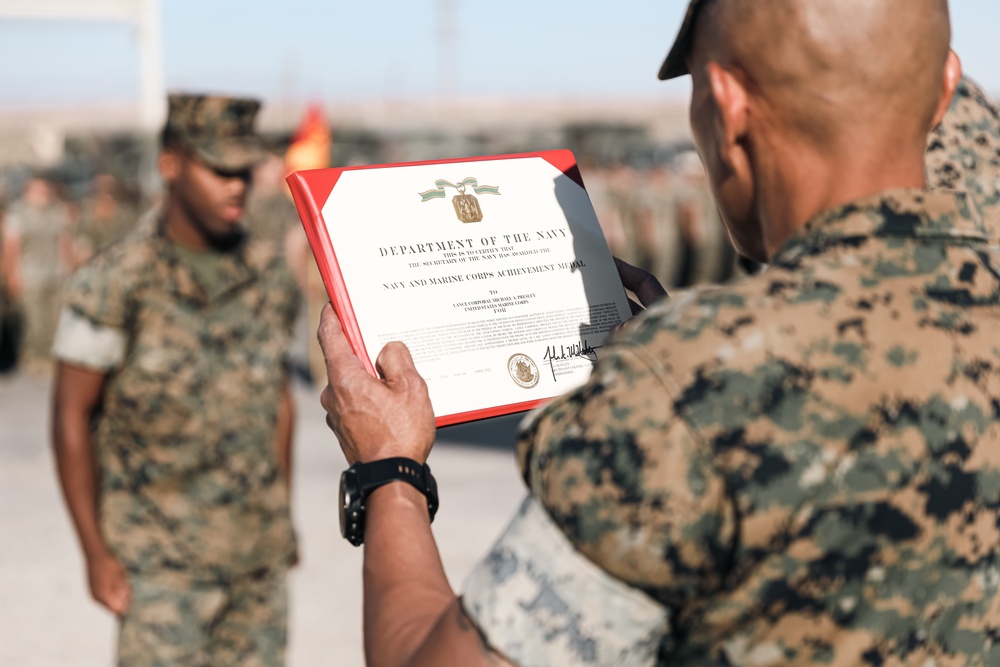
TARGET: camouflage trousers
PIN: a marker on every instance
(204, 625)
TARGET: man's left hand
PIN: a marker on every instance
(374, 418)
(642, 283)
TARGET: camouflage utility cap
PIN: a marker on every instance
(675, 64)
(220, 130)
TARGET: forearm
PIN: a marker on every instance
(411, 615)
(79, 479)
(285, 433)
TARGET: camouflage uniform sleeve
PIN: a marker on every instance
(93, 321)
(645, 519)
(630, 483)
(534, 595)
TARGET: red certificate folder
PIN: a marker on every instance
(311, 191)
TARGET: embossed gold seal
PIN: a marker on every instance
(523, 371)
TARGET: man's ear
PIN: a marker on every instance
(731, 100)
(169, 164)
(952, 75)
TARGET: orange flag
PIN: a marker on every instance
(310, 147)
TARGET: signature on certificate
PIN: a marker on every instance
(578, 350)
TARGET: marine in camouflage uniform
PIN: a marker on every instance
(784, 477)
(797, 470)
(963, 152)
(37, 231)
(800, 469)
(188, 347)
(105, 219)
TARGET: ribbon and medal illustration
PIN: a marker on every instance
(467, 206)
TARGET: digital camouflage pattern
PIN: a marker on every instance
(802, 468)
(220, 130)
(243, 622)
(186, 438)
(963, 152)
(542, 603)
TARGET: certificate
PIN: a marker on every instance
(493, 271)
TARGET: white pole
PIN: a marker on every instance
(446, 52)
(152, 94)
(144, 15)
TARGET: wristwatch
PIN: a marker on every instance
(362, 478)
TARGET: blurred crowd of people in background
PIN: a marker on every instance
(657, 214)
(46, 235)
(662, 218)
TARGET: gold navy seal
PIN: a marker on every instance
(523, 371)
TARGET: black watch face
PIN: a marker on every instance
(348, 497)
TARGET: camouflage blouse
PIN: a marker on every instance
(800, 469)
(186, 436)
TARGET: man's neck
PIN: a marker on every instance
(179, 228)
(800, 188)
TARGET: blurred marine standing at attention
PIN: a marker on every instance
(172, 416)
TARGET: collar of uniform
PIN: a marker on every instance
(945, 215)
(237, 270)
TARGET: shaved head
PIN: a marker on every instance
(838, 68)
(800, 105)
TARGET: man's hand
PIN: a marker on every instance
(374, 418)
(109, 583)
(642, 283)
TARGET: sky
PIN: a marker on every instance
(333, 50)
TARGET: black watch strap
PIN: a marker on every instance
(358, 481)
(377, 473)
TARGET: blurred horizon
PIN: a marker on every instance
(344, 53)
(416, 80)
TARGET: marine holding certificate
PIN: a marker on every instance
(798, 469)
(493, 271)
